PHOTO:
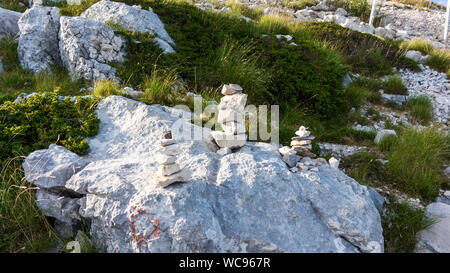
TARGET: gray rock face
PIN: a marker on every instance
(8, 23)
(131, 18)
(436, 239)
(246, 201)
(88, 46)
(38, 42)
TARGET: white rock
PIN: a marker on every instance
(88, 46)
(224, 151)
(181, 176)
(133, 19)
(38, 47)
(230, 115)
(334, 163)
(436, 238)
(8, 23)
(302, 132)
(167, 142)
(286, 150)
(227, 89)
(234, 128)
(233, 203)
(231, 141)
(235, 102)
(414, 55)
(166, 160)
(383, 133)
(166, 170)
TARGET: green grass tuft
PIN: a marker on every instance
(415, 162)
(420, 109)
(394, 85)
(401, 223)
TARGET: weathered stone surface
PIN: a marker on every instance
(64, 209)
(38, 44)
(227, 140)
(8, 23)
(51, 168)
(436, 239)
(235, 102)
(88, 46)
(291, 159)
(414, 55)
(247, 201)
(132, 18)
(1, 67)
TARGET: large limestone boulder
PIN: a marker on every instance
(88, 46)
(8, 23)
(132, 18)
(247, 201)
(38, 42)
(436, 239)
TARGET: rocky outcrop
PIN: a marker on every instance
(246, 201)
(8, 23)
(87, 47)
(132, 18)
(436, 238)
(38, 42)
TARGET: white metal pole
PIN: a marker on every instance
(446, 23)
(372, 13)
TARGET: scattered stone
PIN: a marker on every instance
(132, 18)
(383, 133)
(87, 47)
(210, 143)
(291, 159)
(414, 55)
(38, 47)
(334, 163)
(9, 23)
(134, 94)
(230, 89)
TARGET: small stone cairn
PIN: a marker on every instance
(169, 171)
(301, 143)
(231, 117)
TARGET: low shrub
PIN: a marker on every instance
(252, 13)
(300, 4)
(424, 46)
(439, 60)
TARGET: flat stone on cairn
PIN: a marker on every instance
(301, 143)
(231, 117)
(169, 171)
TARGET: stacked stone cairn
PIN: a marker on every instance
(232, 119)
(299, 157)
(169, 171)
(301, 143)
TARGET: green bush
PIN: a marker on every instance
(387, 142)
(42, 120)
(105, 88)
(25, 127)
(401, 223)
(212, 48)
(359, 8)
(14, 5)
(439, 60)
(420, 109)
(394, 85)
(252, 13)
(416, 160)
